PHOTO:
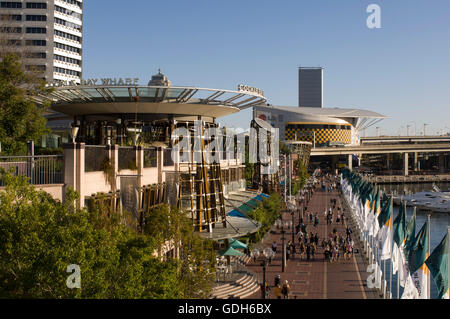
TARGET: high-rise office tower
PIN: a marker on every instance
(49, 32)
(310, 87)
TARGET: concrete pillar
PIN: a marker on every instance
(160, 163)
(350, 161)
(416, 164)
(80, 148)
(140, 164)
(70, 167)
(115, 163)
(405, 164)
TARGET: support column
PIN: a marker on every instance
(405, 164)
(140, 164)
(416, 166)
(80, 149)
(350, 161)
(160, 164)
(115, 165)
(70, 167)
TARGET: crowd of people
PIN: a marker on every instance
(336, 246)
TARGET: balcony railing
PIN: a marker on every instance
(40, 169)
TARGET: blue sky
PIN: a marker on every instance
(401, 70)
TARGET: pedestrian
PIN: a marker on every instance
(274, 247)
(286, 289)
(288, 251)
(308, 252)
(278, 291)
(342, 218)
(310, 218)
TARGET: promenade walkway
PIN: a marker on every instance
(316, 279)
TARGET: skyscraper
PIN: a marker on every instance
(310, 87)
(50, 34)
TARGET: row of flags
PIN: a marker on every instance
(397, 240)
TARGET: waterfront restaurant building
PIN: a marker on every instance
(117, 140)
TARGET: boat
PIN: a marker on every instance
(435, 201)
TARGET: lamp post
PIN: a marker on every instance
(292, 226)
(268, 255)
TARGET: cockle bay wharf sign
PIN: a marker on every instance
(101, 81)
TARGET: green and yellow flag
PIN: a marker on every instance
(418, 254)
(438, 265)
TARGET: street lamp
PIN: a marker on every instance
(268, 254)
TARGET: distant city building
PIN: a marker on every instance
(310, 87)
(50, 33)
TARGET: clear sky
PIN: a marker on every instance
(401, 70)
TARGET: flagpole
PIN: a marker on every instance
(429, 250)
(448, 238)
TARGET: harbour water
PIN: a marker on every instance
(438, 227)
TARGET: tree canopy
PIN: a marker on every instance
(21, 119)
(40, 237)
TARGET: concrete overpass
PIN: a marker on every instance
(405, 139)
(404, 149)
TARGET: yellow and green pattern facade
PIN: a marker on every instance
(318, 133)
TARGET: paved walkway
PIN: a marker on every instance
(317, 279)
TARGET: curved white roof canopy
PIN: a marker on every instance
(360, 119)
(83, 99)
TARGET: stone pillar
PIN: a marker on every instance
(140, 164)
(115, 164)
(70, 166)
(416, 158)
(405, 164)
(80, 148)
(350, 161)
(160, 163)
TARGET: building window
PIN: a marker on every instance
(67, 36)
(36, 55)
(74, 2)
(40, 68)
(36, 17)
(36, 30)
(36, 5)
(68, 24)
(66, 71)
(67, 47)
(11, 17)
(58, 57)
(11, 5)
(11, 30)
(16, 42)
(68, 12)
(36, 42)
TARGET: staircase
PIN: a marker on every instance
(245, 286)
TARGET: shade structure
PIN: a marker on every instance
(230, 252)
(236, 244)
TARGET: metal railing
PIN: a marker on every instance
(40, 169)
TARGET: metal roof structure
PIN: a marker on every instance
(361, 118)
(101, 99)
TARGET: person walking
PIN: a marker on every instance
(274, 246)
(286, 289)
(278, 291)
(308, 252)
